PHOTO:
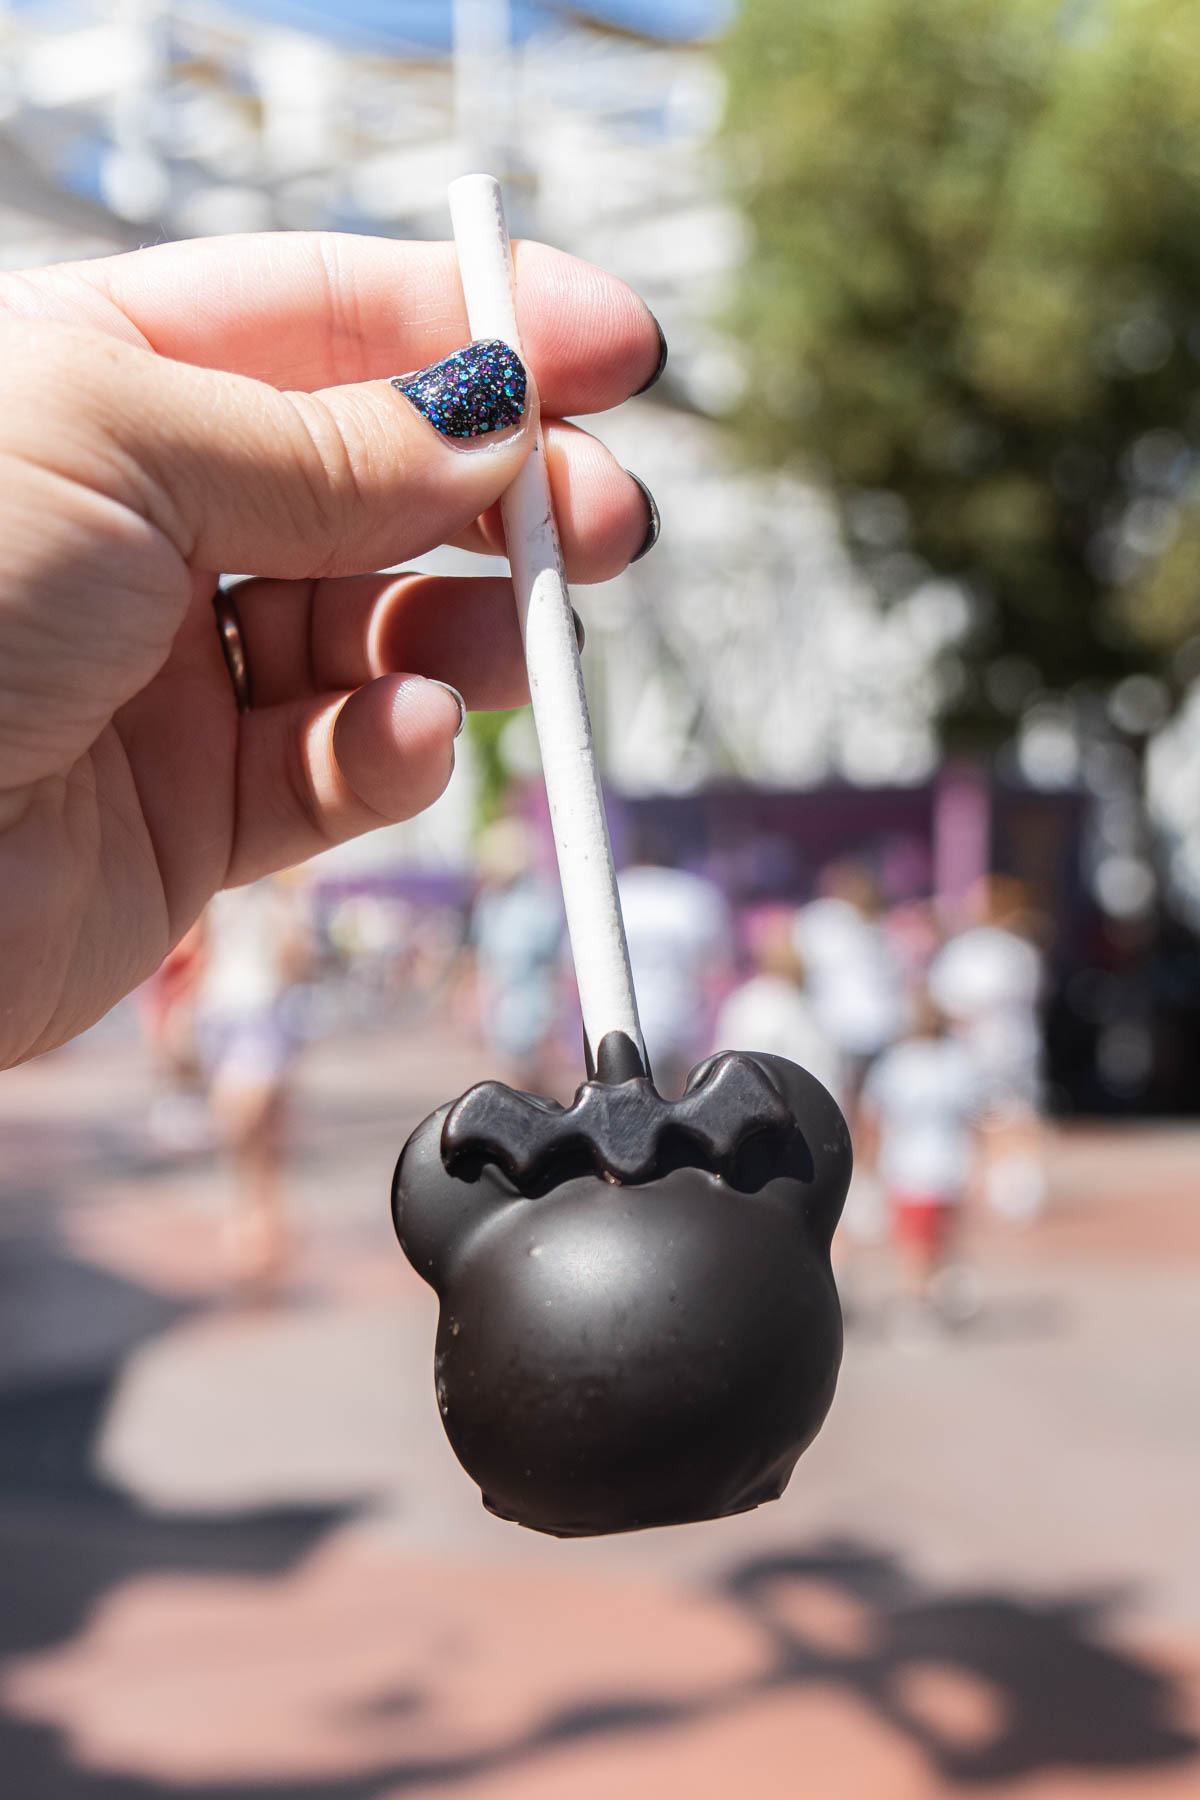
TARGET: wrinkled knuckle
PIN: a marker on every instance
(343, 324)
(66, 413)
(50, 373)
(330, 498)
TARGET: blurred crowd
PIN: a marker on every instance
(925, 1026)
(926, 1030)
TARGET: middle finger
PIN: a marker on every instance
(604, 519)
(305, 638)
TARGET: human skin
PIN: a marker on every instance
(225, 406)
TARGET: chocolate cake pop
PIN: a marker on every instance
(639, 1324)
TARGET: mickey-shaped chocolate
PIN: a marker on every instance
(639, 1324)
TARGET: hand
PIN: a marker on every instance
(224, 405)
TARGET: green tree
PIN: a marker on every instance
(972, 301)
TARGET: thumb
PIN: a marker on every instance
(242, 476)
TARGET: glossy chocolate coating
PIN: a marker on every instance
(639, 1324)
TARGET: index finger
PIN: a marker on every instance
(319, 309)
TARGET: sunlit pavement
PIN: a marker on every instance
(237, 1559)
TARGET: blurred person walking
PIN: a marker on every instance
(917, 1129)
(772, 1010)
(369, 933)
(680, 936)
(259, 946)
(166, 1011)
(855, 976)
(988, 979)
(858, 986)
(516, 931)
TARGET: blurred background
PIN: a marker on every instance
(900, 725)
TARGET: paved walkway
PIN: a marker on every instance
(238, 1561)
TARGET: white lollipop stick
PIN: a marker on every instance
(560, 711)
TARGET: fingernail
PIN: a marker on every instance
(654, 522)
(580, 629)
(456, 697)
(470, 393)
(662, 359)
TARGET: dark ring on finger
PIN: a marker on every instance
(233, 646)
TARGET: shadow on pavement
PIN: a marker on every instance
(988, 1685)
(1042, 1686)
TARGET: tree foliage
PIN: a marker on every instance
(972, 300)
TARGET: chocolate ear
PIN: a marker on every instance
(435, 1213)
(822, 1158)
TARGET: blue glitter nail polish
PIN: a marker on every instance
(470, 393)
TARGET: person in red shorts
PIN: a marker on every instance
(918, 1126)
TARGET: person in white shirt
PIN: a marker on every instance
(680, 946)
(856, 980)
(257, 947)
(918, 1117)
(988, 979)
(771, 1012)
